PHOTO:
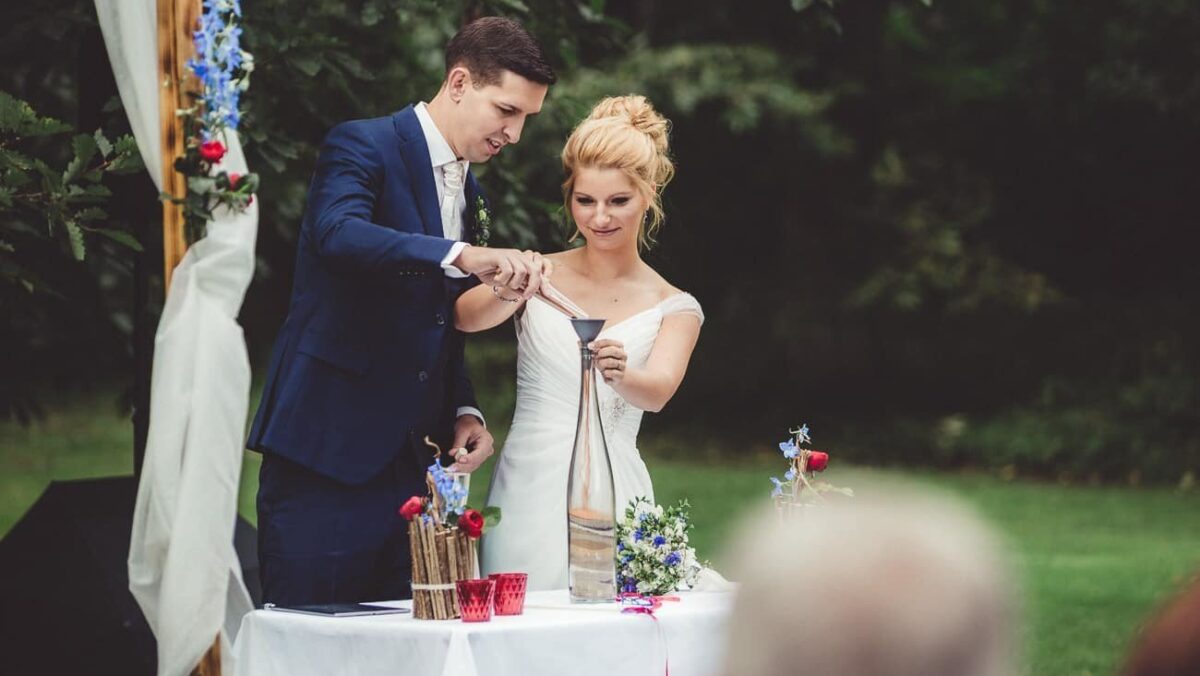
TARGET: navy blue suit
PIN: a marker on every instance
(367, 363)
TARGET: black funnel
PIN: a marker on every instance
(587, 329)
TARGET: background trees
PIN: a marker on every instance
(953, 234)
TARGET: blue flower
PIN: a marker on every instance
(789, 449)
(802, 434)
(620, 546)
(778, 491)
(672, 559)
(790, 475)
(637, 535)
(659, 541)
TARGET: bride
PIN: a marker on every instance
(616, 164)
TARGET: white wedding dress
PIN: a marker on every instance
(529, 484)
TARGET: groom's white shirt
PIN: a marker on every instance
(440, 155)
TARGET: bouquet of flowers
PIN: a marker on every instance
(443, 533)
(799, 486)
(653, 555)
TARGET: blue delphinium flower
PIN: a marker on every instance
(452, 493)
(219, 58)
(637, 535)
(802, 434)
(789, 449)
(659, 541)
(778, 490)
(790, 475)
(672, 559)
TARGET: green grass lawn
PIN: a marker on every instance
(1094, 561)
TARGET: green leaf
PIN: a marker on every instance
(371, 14)
(19, 118)
(126, 157)
(75, 237)
(515, 5)
(121, 237)
(5, 246)
(801, 5)
(92, 214)
(491, 517)
(103, 144)
(88, 194)
(308, 64)
(11, 159)
(5, 196)
(201, 185)
(85, 150)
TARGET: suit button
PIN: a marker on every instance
(439, 319)
(422, 376)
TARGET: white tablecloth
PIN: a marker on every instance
(553, 638)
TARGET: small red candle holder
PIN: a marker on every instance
(510, 592)
(475, 599)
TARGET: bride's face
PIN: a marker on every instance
(490, 117)
(607, 208)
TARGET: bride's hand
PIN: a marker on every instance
(610, 359)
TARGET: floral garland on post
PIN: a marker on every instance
(223, 69)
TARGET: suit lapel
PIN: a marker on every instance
(415, 153)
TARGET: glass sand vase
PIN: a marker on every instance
(591, 497)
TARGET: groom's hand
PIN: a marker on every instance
(519, 271)
(472, 444)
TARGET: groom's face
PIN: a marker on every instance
(489, 117)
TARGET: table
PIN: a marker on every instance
(553, 637)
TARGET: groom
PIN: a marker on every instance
(368, 361)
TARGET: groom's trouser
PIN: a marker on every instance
(322, 541)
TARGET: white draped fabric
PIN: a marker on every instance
(183, 569)
(130, 31)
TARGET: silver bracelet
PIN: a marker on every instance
(496, 293)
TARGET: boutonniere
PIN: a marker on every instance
(483, 222)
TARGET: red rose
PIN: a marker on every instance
(817, 461)
(234, 177)
(412, 508)
(212, 151)
(472, 523)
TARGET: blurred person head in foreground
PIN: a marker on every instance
(1170, 644)
(894, 582)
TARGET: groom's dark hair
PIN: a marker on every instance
(492, 44)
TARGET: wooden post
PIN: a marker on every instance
(177, 19)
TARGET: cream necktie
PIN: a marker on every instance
(452, 179)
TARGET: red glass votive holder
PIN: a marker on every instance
(475, 599)
(510, 592)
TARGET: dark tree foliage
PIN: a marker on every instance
(942, 233)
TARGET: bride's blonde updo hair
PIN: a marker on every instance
(626, 133)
